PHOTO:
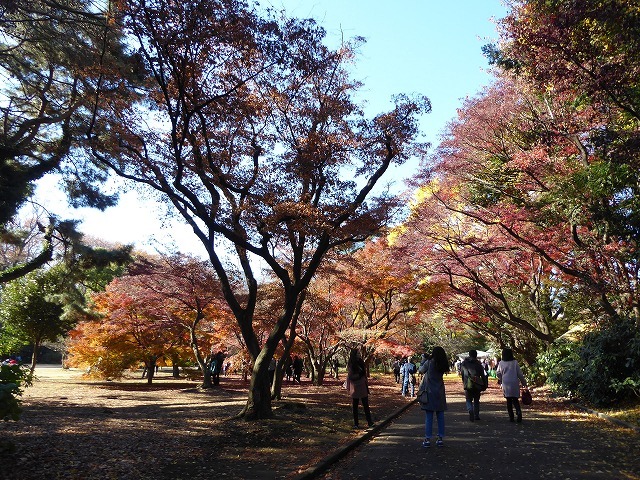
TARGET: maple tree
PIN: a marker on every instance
(588, 50)
(582, 61)
(533, 192)
(319, 323)
(493, 282)
(165, 307)
(257, 144)
(529, 204)
(376, 313)
(504, 179)
(383, 303)
(132, 328)
(187, 291)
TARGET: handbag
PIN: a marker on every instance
(475, 383)
(526, 397)
(423, 394)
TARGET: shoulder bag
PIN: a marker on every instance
(423, 393)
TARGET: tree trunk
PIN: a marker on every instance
(151, 369)
(276, 392)
(175, 366)
(259, 401)
(34, 356)
(320, 371)
(312, 369)
(276, 387)
(203, 363)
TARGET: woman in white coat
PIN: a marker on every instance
(510, 377)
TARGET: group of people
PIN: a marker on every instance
(12, 360)
(431, 393)
(474, 380)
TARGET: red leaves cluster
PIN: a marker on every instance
(170, 307)
(524, 204)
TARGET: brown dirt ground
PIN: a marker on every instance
(74, 428)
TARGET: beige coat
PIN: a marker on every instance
(357, 384)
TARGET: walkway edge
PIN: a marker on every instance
(609, 418)
(332, 458)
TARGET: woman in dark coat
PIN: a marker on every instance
(433, 383)
(357, 386)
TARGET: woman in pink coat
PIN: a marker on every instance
(357, 386)
(510, 377)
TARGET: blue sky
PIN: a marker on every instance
(430, 47)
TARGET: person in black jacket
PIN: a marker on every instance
(474, 380)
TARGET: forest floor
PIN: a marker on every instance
(74, 428)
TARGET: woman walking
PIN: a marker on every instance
(510, 377)
(433, 384)
(357, 386)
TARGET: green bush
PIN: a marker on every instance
(13, 379)
(562, 367)
(609, 358)
(601, 370)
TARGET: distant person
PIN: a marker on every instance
(298, 365)
(288, 368)
(396, 370)
(216, 366)
(458, 366)
(510, 377)
(412, 378)
(472, 374)
(433, 370)
(423, 358)
(407, 370)
(272, 370)
(403, 360)
(358, 387)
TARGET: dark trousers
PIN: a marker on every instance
(511, 403)
(473, 403)
(367, 412)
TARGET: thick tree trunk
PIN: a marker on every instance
(259, 401)
(319, 371)
(151, 369)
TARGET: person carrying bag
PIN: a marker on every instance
(474, 381)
